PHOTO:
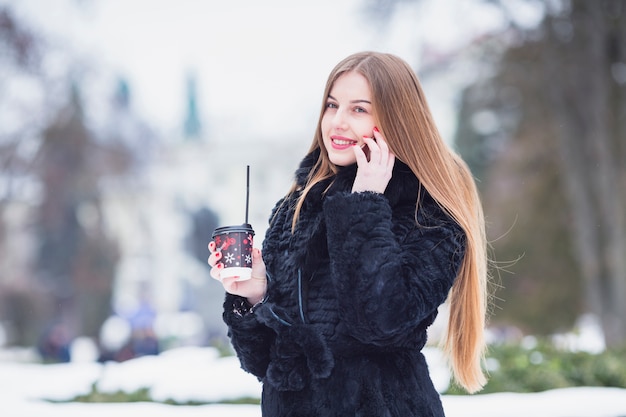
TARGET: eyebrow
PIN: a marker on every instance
(352, 101)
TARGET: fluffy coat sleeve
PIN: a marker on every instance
(250, 339)
(390, 274)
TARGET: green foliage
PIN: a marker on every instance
(143, 395)
(223, 347)
(95, 396)
(515, 368)
(243, 400)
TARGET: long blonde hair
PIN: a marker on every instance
(404, 119)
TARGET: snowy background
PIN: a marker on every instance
(200, 375)
(260, 68)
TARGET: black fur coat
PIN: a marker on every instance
(350, 295)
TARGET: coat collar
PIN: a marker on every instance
(307, 245)
(403, 186)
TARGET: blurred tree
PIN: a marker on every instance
(563, 171)
(20, 62)
(382, 10)
(192, 127)
(17, 44)
(57, 174)
(76, 260)
(518, 174)
(203, 223)
(544, 131)
(20, 53)
(585, 85)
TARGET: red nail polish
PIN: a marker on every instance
(376, 129)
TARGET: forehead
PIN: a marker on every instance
(351, 83)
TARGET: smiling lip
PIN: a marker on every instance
(341, 142)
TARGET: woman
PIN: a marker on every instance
(382, 224)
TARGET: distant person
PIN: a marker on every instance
(382, 224)
(143, 338)
(54, 343)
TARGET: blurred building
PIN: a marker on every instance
(164, 219)
(159, 206)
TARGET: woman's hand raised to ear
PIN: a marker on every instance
(373, 174)
(253, 289)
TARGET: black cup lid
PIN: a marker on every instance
(242, 228)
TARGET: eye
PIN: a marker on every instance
(331, 105)
(360, 110)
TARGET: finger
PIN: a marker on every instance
(377, 134)
(374, 149)
(216, 272)
(391, 161)
(214, 258)
(230, 284)
(387, 156)
(212, 246)
(361, 158)
(258, 266)
(380, 140)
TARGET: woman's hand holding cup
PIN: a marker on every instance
(253, 289)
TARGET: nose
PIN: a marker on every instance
(339, 120)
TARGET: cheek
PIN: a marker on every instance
(325, 130)
(367, 126)
(324, 124)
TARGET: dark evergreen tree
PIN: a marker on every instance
(204, 222)
(555, 190)
(76, 260)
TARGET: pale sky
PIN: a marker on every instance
(260, 66)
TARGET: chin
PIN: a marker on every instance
(342, 160)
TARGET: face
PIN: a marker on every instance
(347, 117)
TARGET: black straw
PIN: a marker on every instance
(247, 190)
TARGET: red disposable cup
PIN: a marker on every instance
(235, 243)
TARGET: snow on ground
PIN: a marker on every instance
(199, 374)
